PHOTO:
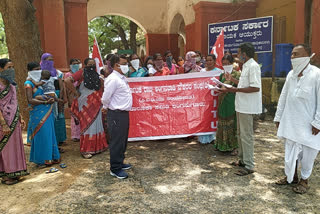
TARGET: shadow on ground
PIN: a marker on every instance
(169, 176)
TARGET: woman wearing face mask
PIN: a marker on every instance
(161, 70)
(149, 66)
(135, 67)
(47, 63)
(12, 157)
(180, 65)
(210, 66)
(75, 65)
(170, 63)
(190, 65)
(87, 108)
(41, 132)
(199, 60)
(226, 138)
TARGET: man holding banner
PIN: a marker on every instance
(117, 102)
(248, 102)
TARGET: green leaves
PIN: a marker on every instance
(3, 45)
(113, 32)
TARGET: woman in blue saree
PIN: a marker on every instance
(41, 131)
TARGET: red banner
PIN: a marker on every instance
(172, 106)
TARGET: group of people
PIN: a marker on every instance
(100, 101)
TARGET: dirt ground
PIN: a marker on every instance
(168, 176)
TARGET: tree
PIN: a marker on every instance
(115, 32)
(23, 40)
(3, 45)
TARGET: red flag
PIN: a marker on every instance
(96, 55)
(218, 49)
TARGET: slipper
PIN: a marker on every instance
(244, 172)
(52, 170)
(237, 163)
(63, 165)
(7, 182)
(284, 181)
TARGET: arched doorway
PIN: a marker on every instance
(116, 33)
(178, 27)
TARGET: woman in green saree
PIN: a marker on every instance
(226, 138)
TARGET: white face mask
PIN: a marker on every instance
(298, 64)
(149, 66)
(124, 69)
(135, 63)
(228, 68)
(152, 70)
(35, 75)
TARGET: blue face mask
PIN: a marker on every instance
(242, 58)
(74, 68)
(9, 75)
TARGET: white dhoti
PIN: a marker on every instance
(304, 154)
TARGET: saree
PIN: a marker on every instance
(12, 156)
(75, 127)
(41, 132)
(87, 110)
(205, 139)
(226, 139)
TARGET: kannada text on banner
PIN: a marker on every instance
(172, 107)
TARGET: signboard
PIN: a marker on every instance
(258, 31)
(172, 106)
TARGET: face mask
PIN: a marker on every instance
(298, 64)
(228, 68)
(198, 59)
(124, 69)
(135, 63)
(193, 60)
(9, 75)
(80, 65)
(35, 75)
(149, 66)
(158, 64)
(169, 61)
(181, 63)
(242, 58)
(74, 68)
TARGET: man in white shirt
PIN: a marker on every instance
(117, 102)
(248, 103)
(298, 118)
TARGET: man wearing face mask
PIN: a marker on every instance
(248, 102)
(117, 102)
(298, 118)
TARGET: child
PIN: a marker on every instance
(48, 88)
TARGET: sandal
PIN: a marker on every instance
(301, 188)
(9, 182)
(234, 152)
(245, 171)
(52, 170)
(61, 150)
(283, 181)
(87, 156)
(237, 163)
(63, 165)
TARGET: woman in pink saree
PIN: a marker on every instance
(12, 157)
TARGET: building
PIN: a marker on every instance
(178, 25)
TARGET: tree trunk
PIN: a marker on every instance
(133, 36)
(23, 41)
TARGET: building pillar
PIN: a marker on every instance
(300, 22)
(76, 29)
(174, 45)
(316, 31)
(156, 43)
(50, 15)
(190, 37)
